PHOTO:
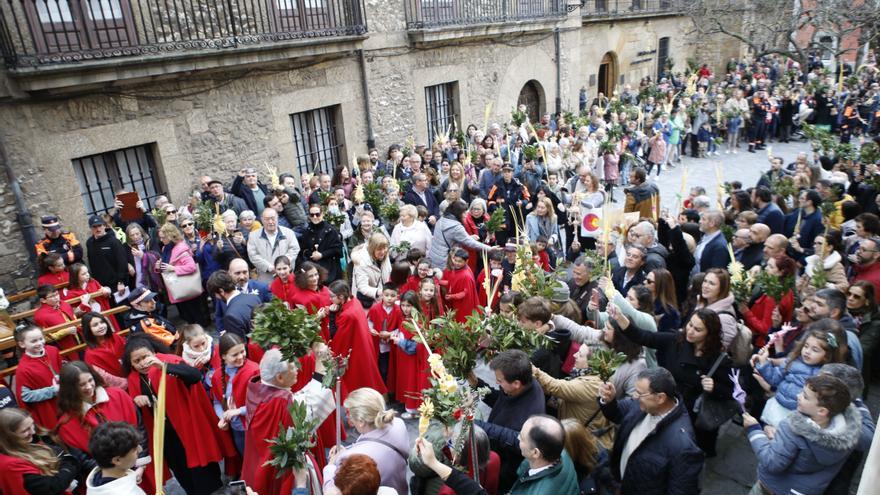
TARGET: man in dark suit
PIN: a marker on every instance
(633, 270)
(768, 212)
(420, 195)
(239, 313)
(240, 273)
(712, 251)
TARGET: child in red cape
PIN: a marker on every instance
(461, 286)
(84, 402)
(310, 294)
(410, 358)
(104, 349)
(350, 336)
(430, 303)
(229, 386)
(26, 464)
(268, 398)
(198, 350)
(194, 445)
(53, 311)
(496, 277)
(283, 286)
(81, 284)
(54, 271)
(383, 319)
(36, 378)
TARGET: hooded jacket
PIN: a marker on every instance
(803, 457)
(127, 485)
(638, 199)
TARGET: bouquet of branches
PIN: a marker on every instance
(604, 362)
(496, 221)
(517, 117)
(530, 152)
(529, 278)
(401, 249)
(373, 196)
(775, 287)
(819, 278)
(292, 330)
(505, 333)
(783, 187)
(160, 215)
(336, 219)
(390, 211)
(869, 153)
(740, 283)
(458, 341)
(289, 448)
(335, 367)
(203, 216)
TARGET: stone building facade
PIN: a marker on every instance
(174, 115)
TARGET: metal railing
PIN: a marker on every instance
(45, 32)
(601, 8)
(421, 14)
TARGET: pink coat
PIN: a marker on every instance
(183, 263)
(658, 149)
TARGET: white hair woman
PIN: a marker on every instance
(412, 230)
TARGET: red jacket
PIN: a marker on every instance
(871, 273)
(759, 318)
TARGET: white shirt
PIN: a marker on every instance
(535, 471)
(638, 435)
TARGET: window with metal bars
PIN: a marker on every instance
(103, 175)
(316, 140)
(440, 109)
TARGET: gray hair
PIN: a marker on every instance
(646, 228)
(245, 214)
(272, 365)
(701, 201)
(229, 215)
(849, 375)
(478, 202)
(583, 260)
(714, 216)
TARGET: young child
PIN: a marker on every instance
(229, 386)
(410, 358)
(539, 249)
(53, 311)
(383, 319)
(36, 378)
(534, 314)
(818, 347)
(199, 351)
(508, 303)
(808, 448)
(496, 277)
(283, 286)
(461, 286)
(115, 447)
(704, 139)
(430, 303)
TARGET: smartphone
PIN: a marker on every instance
(238, 487)
(594, 297)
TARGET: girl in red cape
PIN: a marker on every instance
(430, 304)
(36, 378)
(104, 349)
(496, 276)
(229, 386)
(54, 271)
(283, 286)
(27, 466)
(82, 283)
(310, 294)
(84, 402)
(410, 358)
(194, 445)
(350, 336)
(198, 350)
(423, 271)
(461, 286)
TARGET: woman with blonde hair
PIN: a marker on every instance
(584, 451)
(28, 466)
(542, 222)
(382, 437)
(372, 268)
(177, 258)
(458, 177)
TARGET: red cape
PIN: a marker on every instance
(410, 372)
(53, 279)
(483, 295)
(46, 317)
(93, 286)
(240, 381)
(14, 469)
(313, 300)
(461, 282)
(35, 373)
(384, 321)
(107, 355)
(284, 290)
(190, 413)
(353, 336)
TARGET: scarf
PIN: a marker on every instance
(190, 356)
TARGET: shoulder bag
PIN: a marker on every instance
(710, 412)
(182, 287)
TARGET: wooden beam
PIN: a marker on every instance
(21, 296)
(9, 342)
(73, 302)
(11, 370)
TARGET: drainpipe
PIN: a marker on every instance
(365, 87)
(22, 213)
(556, 38)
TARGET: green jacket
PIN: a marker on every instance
(559, 479)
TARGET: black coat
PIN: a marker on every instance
(681, 260)
(715, 254)
(752, 255)
(667, 462)
(617, 278)
(431, 203)
(239, 315)
(107, 260)
(239, 189)
(329, 242)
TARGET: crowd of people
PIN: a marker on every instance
(753, 304)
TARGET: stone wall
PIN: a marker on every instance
(215, 123)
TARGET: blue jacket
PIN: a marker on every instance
(788, 383)
(239, 314)
(715, 254)
(486, 181)
(811, 226)
(772, 217)
(260, 289)
(802, 457)
(667, 462)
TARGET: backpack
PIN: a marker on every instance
(740, 349)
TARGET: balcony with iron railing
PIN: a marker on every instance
(44, 35)
(427, 18)
(604, 9)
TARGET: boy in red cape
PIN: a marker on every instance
(53, 311)
(350, 336)
(383, 319)
(496, 276)
(268, 398)
(461, 286)
(36, 378)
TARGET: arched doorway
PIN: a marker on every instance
(608, 74)
(532, 96)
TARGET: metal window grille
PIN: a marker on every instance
(316, 140)
(440, 106)
(662, 56)
(101, 176)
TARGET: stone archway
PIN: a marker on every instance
(532, 96)
(608, 71)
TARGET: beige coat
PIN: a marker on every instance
(578, 399)
(368, 277)
(834, 272)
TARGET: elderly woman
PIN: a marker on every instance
(827, 248)
(381, 436)
(177, 259)
(475, 224)
(371, 269)
(412, 230)
(448, 233)
(141, 259)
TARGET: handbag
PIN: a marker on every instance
(183, 287)
(711, 413)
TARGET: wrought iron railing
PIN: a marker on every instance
(421, 14)
(45, 32)
(600, 8)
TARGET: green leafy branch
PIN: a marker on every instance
(293, 331)
(289, 448)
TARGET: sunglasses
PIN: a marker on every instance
(185, 225)
(171, 211)
(315, 215)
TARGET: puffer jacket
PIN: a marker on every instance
(788, 382)
(803, 457)
(368, 277)
(450, 233)
(667, 462)
(638, 199)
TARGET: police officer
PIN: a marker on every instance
(58, 241)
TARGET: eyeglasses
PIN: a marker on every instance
(638, 395)
(315, 215)
(185, 225)
(171, 211)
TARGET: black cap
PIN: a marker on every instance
(50, 222)
(215, 181)
(141, 294)
(96, 220)
(507, 166)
